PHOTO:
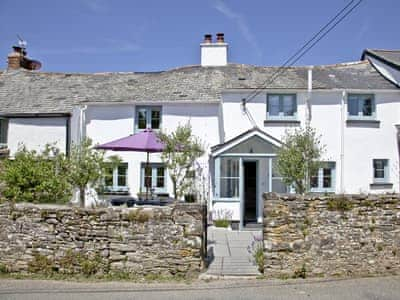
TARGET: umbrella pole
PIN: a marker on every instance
(147, 181)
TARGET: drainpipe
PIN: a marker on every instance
(342, 121)
(398, 151)
(308, 98)
(82, 123)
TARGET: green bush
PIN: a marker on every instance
(221, 223)
(340, 204)
(36, 177)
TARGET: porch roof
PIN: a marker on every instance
(255, 131)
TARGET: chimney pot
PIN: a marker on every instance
(220, 37)
(208, 38)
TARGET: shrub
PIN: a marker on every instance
(36, 177)
(41, 264)
(222, 218)
(340, 204)
(221, 223)
(256, 249)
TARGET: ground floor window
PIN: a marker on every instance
(3, 132)
(153, 177)
(324, 179)
(277, 184)
(381, 170)
(115, 178)
(229, 178)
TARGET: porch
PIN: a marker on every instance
(243, 169)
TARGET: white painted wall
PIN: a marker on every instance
(109, 122)
(35, 133)
(362, 143)
(214, 54)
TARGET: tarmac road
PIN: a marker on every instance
(382, 288)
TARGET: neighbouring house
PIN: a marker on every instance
(354, 106)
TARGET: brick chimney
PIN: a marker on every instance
(16, 58)
(214, 54)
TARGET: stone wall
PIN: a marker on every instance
(331, 235)
(152, 240)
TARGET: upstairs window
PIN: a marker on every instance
(281, 106)
(115, 179)
(361, 106)
(148, 117)
(324, 179)
(381, 170)
(3, 132)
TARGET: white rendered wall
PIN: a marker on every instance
(215, 54)
(110, 122)
(362, 143)
(35, 133)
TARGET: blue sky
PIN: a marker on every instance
(149, 35)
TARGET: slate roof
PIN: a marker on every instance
(391, 57)
(23, 91)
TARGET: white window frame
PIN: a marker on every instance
(153, 167)
(3, 132)
(148, 110)
(385, 170)
(360, 98)
(281, 115)
(320, 174)
(116, 187)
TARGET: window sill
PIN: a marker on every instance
(363, 122)
(282, 121)
(381, 185)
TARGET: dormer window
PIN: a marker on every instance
(148, 117)
(281, 106)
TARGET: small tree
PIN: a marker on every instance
(86, 166)
(182, 148)
(37, 177)
(299, 158)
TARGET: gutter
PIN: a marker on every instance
(35, 115)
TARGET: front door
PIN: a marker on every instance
(250, 192)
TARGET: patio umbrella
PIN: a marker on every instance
(143, 141)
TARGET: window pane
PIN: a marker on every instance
(314, 181)
(379, 168)
(122, 174)
(327, 179)
(155, 119)
(160, 177)
(353, 107)
(229, 167)
(288, 105)
(147, 177)
(367, 107)
(273, 105)
(229, 187)
(142, 119)
(108, 176)
(3, 131)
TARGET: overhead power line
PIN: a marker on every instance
(328, 27)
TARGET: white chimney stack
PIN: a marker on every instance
(214, 54)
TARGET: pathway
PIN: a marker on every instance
(228, 252)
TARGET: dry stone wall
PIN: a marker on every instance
(331, 235)
(142, 241)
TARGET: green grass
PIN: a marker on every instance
(221, 223)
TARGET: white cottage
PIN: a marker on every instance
(354, 106)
